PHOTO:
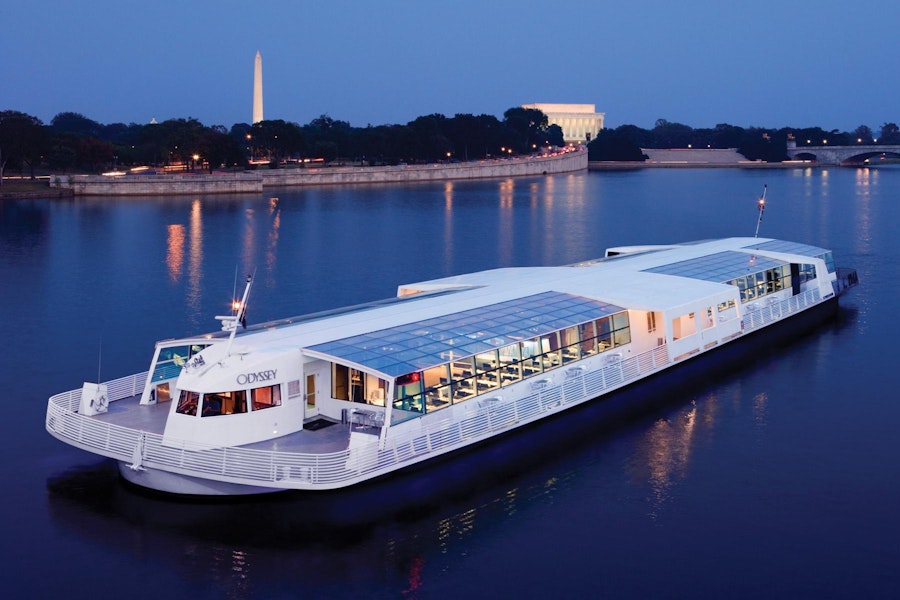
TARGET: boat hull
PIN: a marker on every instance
(177, 483)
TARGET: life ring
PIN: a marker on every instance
(100, 404)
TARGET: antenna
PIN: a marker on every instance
(99, 358)
(761, 203)
(234, 285)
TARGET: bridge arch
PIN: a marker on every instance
(842, 155)
(870, 158)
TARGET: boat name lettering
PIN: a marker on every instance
(245, 378)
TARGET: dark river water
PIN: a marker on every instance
(780, 479)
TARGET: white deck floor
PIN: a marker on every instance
(129, 413)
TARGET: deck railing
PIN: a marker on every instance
(764, 312)
(489, 416)
(304, 470)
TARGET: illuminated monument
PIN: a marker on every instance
(257, 89)
(579, 122)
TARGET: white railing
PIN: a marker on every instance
(305, 470)
(761, 313)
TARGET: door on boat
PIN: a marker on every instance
(311, 409)
(163, 394)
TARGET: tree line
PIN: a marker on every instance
(73, 142)
(755, 143)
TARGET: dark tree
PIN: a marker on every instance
(326, 129)
(433, 143)
(637, 136)
(727, 136)
(863, 134)
(765, 145)
(811, 136)
(554, 136)
(93, 154)
(220, 149)
(608, 145)
(72, 122)
(277, 139)
(671, 135)
(890, 134)
(23, 140)
(529, 127)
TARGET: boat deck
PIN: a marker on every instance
(129, 413)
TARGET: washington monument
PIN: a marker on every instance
(257, 89)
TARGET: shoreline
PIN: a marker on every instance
(255, 181)
(632, 165)
(354, 175)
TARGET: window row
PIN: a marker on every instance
(464, 378)
(757, 285)
(228, 403)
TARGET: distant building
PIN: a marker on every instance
(579, 122)
(257, 89)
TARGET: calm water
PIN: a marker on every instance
(778, 480)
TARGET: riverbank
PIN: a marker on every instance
(566, 161)
(688, 158)
(30, 189)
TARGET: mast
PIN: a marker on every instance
(761, 203)
(230, 322)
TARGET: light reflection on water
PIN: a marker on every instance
(708, 474)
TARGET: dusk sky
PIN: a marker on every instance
(767, 63)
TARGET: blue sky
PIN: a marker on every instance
(765, 63)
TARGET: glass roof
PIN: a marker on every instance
(719, 267)
(789, 248)
(415, 346)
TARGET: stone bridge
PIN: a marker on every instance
(842, 155)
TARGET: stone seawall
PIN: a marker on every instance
(250, 182)
(151, 185)
(508, 167)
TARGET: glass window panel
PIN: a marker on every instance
(462, 368)
(436, 376)
(550, 350)
(463, 389)
(437, 398)
(569, 346)
(587, 336)
(486, 361)
(531, 357)
(224, 403)
(265, 397)
(175, 353)
(187, 403)
(622, 336)
(604, 336)
(411, 404)
(408, 388)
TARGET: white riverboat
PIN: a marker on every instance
(334, 399)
